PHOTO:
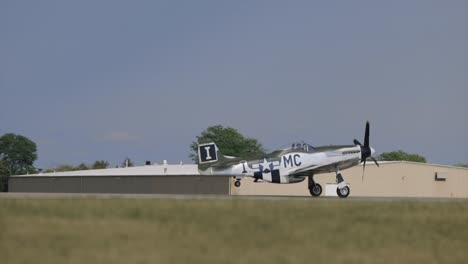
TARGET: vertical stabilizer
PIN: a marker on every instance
(207, 153)
(210, 158)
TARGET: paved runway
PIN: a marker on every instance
(216, 197)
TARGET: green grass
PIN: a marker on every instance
(231, 231)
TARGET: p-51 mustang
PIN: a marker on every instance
(289, 165)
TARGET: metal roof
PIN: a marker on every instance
(149, 170)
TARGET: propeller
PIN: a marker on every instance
(366, 150)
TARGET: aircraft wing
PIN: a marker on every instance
(324, 168)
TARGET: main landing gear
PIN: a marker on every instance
(342, 190)
(315, 189)
(343, 193)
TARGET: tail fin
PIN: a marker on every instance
(210, 157)
(207, 153)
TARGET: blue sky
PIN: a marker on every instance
(90, 80)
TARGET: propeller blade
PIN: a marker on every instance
(356, 142)
(376, 163)
(363, 169)
(366, 136)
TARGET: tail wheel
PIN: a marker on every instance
(237, 183)
(343, 192)
(315, 190)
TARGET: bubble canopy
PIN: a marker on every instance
(301, 146)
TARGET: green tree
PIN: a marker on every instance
(100, 164)
(17, 154)
(3, 177)
(82, 166)
(464, 165)
(61, 168)
(67, 167)
(230, 141)
(3, 170)
(400, 155)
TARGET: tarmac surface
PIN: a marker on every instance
(215, 197)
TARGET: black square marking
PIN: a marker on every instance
(207, 153)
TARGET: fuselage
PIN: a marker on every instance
(291, 165)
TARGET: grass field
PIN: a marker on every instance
(232, 231)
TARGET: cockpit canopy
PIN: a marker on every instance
(302, 146)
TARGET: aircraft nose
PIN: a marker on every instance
(372, 151)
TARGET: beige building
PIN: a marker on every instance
(391, 179)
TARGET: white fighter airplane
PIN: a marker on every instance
(290, 165)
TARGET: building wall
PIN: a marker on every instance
(394, 179)
(121, 184)
(391, 179)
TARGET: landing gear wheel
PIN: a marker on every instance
(315, 190)
(237, 183)
(343, 192)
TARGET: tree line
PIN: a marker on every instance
(97, 165)
(18, 153)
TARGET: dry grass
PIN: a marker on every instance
(231, 231)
